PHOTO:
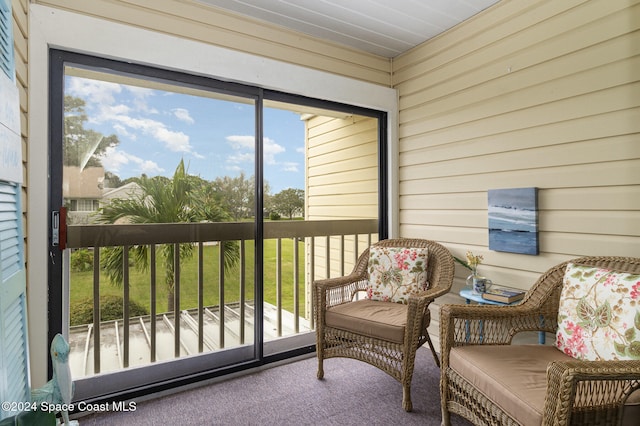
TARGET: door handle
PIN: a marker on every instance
(59, 228)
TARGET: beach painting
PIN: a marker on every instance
(513, 220)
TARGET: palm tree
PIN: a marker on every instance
(161, 200)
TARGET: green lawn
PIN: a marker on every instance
(139, 289)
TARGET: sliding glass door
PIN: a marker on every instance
(189, 217)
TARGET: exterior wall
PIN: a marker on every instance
(526, 94)
(342, 164)
(342, 182)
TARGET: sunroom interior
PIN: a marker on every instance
(522, 94)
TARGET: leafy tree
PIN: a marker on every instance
(237, 195)
(82, 147)
(162, 200)
(112, 180)
(288, 202)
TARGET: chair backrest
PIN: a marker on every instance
(440, 264)
(545, 293)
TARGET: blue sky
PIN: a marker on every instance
(214, 137)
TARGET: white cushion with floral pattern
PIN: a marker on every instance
(396, 272)
(599, 315)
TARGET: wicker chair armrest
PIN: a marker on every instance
(335, 291)
(588, 388)
(489, 324)
(328, 283)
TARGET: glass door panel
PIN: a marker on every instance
(321, 209)
(198, 214)
(173, 163)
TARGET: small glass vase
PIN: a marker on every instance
(474, 273)
(477, 282)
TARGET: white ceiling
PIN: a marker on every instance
(383, 27)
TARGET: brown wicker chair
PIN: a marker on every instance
(393, 357)
(576, 393)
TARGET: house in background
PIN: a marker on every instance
(84, 193)
(128, 190)
(524, 94)
(82, 190)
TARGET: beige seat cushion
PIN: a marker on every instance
(513, 377)
(381, 320)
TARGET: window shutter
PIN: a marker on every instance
(14, 357)
(6, 39)
(14, 361)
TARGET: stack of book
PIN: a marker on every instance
(504, 295)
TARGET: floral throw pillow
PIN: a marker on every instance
(599, 314)
(396, 272)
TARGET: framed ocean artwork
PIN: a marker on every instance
(513, 220)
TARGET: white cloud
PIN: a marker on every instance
(122, 131)
(242, 142)
(149, 167)
(173, 141)
(289, 167)
(244, 146)
(182, 114)
(247, 143)
(140, 95)
(125, 123)
(108, 113)
(100, 92)
(247, 157)
(271, 149)
(128, 115)
(114, 160)
(140, 92)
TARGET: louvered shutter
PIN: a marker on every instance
(6, 39)
(14, 383)
(14, 358)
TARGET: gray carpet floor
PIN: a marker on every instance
(352, 393)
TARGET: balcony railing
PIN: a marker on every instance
(330, 248)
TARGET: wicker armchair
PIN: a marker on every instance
(573, 392)
(394, 356)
